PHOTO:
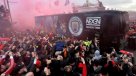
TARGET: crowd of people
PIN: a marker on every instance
(32, 53)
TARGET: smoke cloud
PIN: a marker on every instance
(24, 11)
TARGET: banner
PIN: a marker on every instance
(5, 39)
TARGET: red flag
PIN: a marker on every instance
(56, 2)
(125, 52)
(1, 46)
(38, 63)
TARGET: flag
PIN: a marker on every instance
(56, 2)
(125, 52)
(1, 46)
(67, 2)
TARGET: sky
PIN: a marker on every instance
(113, 4)
(24, 11)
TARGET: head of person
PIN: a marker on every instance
(97, 55)
(59, 57)
(68, 68)
(30, 74)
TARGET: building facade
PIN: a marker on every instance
(87, 7)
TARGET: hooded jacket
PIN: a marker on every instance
(97, 55)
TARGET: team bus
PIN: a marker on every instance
(110, 26)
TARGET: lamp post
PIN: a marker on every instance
(87, 3)
(7, 6)
(9, 11)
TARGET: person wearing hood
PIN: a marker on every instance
(97, 55)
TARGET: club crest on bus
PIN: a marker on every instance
(75, 26)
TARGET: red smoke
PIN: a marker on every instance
(24, 11)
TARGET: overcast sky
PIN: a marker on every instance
(118, 4)
(24, 11)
